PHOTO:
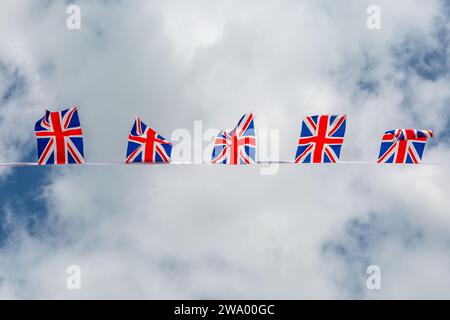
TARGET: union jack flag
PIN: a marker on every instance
(146, 145)
(59, 137)
(238, 146)
(403, 146)
(321, 139)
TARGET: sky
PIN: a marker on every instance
(220, 232)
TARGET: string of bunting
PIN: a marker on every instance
(60, 141)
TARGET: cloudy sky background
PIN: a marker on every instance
(214, 231)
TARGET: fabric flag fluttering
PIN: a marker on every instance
(59, 138)
(238, 146)
(145, 145)
(403, 146)
(321, 139)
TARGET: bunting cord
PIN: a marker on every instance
(281, 162)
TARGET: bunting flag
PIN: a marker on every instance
(321, 139)
(238, 146)
(403, 146)
(59, 138)
(145, 145)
